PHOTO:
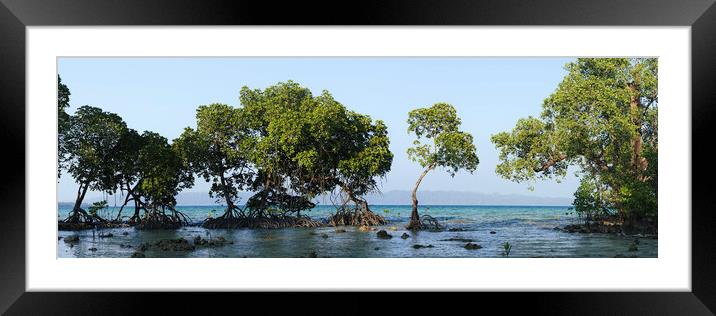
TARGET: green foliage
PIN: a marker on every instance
(602, 118)
(366, 157)
(591, 199)
(432, 121)
(529, 152)
(439, 143)
(506, 247)
(446, 146)
(161, 170)
(217, 150)
(91, 142)
(309, 145)
(96, 207)
(63, 96)
(127, 166)
(63, 123)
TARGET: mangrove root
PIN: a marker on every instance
(234, 219)
(426, 222)
(355, 217)
(79, 219)
(158, 219)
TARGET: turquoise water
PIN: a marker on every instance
(529, 229)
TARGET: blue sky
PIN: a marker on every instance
(490, 94)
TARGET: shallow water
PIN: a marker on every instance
(529, 229)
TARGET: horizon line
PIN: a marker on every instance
(425, 205)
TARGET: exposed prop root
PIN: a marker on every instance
(426, 222)
(236, 219)
(61, 225)
(159, 219)
(430, 223)
(79, 219)
(270, 222)
(355, 217)
(357, 214)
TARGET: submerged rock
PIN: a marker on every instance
(418, 246)
(125, 233)
(458, 239)
(73, 238)
(456, 229)
(313, 254)
(471, 246)
(108, 235)
(324, 236)
(341, 230)
(382, 234)
(405, 236)
(179, 244)
(594, 227)
(93, 249)
(493, 232)
(125, 246)
(216, 242)
(138, 254)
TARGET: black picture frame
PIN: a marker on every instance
(16, 15)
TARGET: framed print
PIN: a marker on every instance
(459, 146)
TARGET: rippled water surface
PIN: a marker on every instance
(529, 229)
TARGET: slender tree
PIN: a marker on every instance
(444, 146)
(602, 119)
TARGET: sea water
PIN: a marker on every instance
(529, 229)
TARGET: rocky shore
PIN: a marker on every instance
(610, 227)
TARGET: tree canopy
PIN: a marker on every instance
(309, 145)
(63, 123)
(91, 141)
(439, 143)
(162, 175)
(217, 150)
(602, 118)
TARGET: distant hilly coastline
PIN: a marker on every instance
(400, 197)
(464, 198)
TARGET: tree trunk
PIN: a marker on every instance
(137, 207)
(358, 201)
(414, 217)
(130, 196)
(229, 204)
(80, 196)
(638, 163)
(119, 213)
